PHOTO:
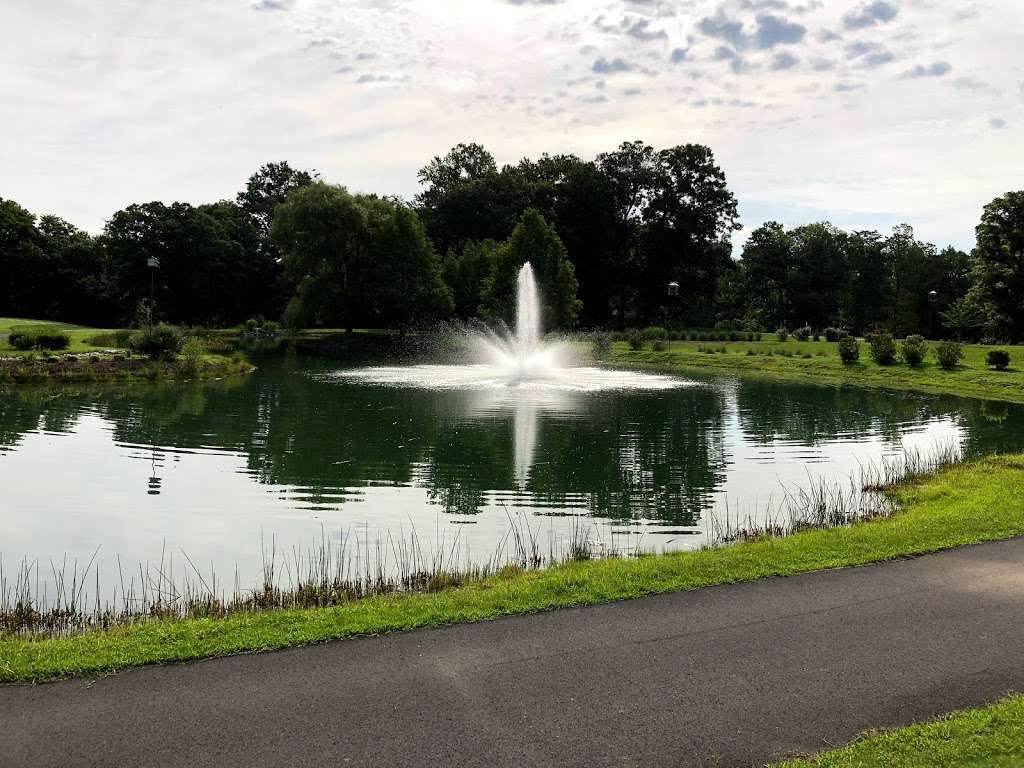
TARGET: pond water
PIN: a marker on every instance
(300, 447)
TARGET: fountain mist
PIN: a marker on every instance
(513, 364)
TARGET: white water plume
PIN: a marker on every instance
(518, 362)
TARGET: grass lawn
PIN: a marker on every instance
(964, 504)
(987, 737)
(819, 361)
(80, 335)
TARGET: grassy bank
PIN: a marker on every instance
(987, 737)
(115, 367)
(81, 337)
(961, 505)
(94, 354)
(819, 361)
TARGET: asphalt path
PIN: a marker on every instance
(735, 675)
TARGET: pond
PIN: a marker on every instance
(218, 470)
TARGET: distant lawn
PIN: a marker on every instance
(80, 336)
(819, 361)
(967, 504)
(987, 737)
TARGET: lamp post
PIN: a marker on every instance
(154, 264)
(933, 298)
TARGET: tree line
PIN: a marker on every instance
(637, 236)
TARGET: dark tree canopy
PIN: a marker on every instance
(357, 259)
(533, 241)
(999, 264)
(637, 236)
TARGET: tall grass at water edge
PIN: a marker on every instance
(64, 598)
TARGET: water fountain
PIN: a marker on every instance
(513, 364)
(519, 372)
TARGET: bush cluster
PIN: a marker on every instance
(949, 354)
(653, 332)
(157, 342)
(998, 359)
(802, 334)
(192, 351)
(835, 334)
(883, 347)
(849, 349)
(44, 337)
(635, 339)
(782, 334)
(913, 350)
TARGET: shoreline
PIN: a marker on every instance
(982, 500)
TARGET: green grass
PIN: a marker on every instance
(80, 334)
(819, 361)
(987, 737)
(962, 505)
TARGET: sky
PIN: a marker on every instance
(866, 114)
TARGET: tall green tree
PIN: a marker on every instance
(321, 231)
(466, 198)
(999, 264)
(466, 273)
(357, 259)
(268, 188)
(870, 289)
(819, 275)
(576, 198)
(405, 286)
(21, 258)
(631, 171)
(690, 214)
(534, 241)
(767, 263)
(201, 278)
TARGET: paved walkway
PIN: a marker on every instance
(724, 676)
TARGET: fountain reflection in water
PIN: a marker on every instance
(520, 371)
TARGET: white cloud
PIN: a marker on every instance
(154, 101)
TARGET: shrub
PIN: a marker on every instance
(635, 340)
(47, 337)
(693, 336)
(832, 334)
(782, 334)
(817, 337)
(157, 342)
(913, 350)
(949, 354)
(659, 345)
(849, 349)
(602, 345)
(653, 332)
(883, 347)
(998, 359)
(192, 351)
(803, 333)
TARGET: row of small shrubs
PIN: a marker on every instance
(657, 333)
(913, 350)
(42, 337)
(806, 333)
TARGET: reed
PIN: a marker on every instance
(63, 598)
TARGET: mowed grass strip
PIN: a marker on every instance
(965, 504)
(819, 361)
(987, 737)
